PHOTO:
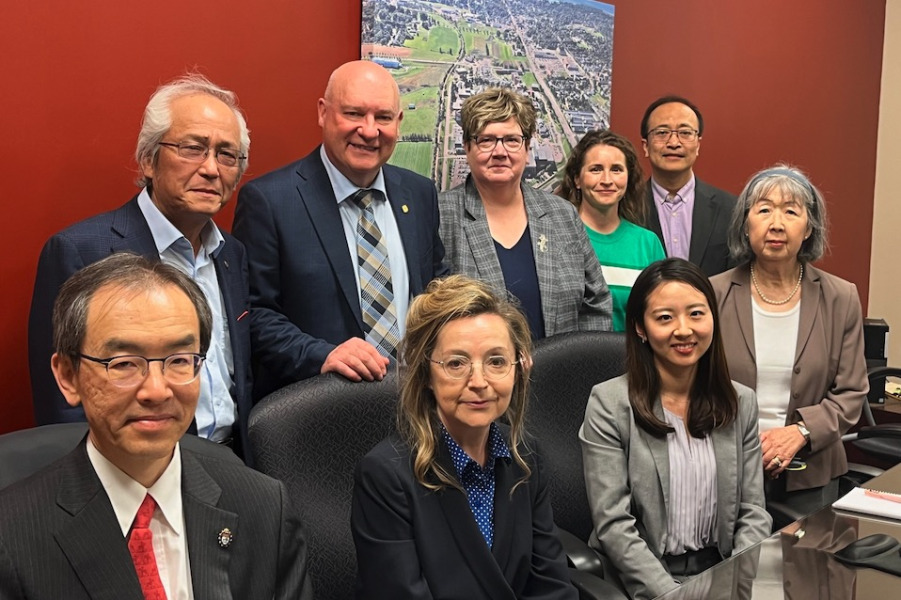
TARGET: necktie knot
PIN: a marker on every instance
(145, 513)
(364, 197)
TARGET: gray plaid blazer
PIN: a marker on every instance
(574, 295)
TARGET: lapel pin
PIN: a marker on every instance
(405, 208)
(542, 243)
(225, 538)
(225, 262)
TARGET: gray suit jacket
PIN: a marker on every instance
(709, 227)
(574, 295)
(59, 537)
(829, 383)
(627, 480)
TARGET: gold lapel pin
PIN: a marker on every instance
(405, 208)
(226, 537)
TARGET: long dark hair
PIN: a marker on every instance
(713, 402)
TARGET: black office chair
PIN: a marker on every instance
(882, 442)
(311, 435)
(565, 369)
(25, 452)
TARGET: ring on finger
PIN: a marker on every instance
(777, 461)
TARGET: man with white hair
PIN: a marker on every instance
(191, 152)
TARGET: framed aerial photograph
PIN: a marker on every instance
(558, 52)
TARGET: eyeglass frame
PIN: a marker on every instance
(198, 364)
(206, 152)
(498, 138)
(472, 367)
(695, 134)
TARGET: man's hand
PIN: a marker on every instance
(356, 359)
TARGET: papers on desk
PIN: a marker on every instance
(860, 500)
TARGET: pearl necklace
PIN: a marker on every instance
(777, 302)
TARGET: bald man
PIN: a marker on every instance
(338, 242)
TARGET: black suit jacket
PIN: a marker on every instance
(86, 242)
(709, 227)
(415, 543)
(302, 284)
(59, 537)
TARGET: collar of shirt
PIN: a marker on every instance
(166, 235)
(686, 194)
(126, 494)
(344, 187)
(497, 448)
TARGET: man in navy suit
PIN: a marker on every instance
(690, 217)
(130, 512)
(300, 227)
(192, 150)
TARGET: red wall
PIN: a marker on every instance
(795, 81)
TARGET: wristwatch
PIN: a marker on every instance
(804, 431)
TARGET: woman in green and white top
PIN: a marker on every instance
(603, 179)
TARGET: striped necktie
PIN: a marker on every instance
(140, 544)
(376, 291)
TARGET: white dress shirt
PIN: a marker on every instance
(170, 543)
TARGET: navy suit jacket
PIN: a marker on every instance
(418, 544)
(125, 230)
(59, 536)
(302, 284)
(709, 227)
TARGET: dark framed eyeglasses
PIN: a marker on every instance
(194, 152)
(461, 367)
(662, 135)
(130, 370)
(487, 143)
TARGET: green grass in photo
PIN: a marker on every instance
(416, 156)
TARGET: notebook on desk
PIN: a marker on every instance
(862, 500)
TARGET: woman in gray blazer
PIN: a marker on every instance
(794, 333)
(516, 238)
(670, 449)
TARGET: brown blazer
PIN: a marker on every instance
(829, 384)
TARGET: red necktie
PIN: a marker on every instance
(140, 544)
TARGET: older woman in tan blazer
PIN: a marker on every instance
(794, 333)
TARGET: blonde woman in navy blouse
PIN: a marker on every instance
(456, 505)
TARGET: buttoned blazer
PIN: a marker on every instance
(628, 483)
(829, 380)
(302, 278)
(574, 295)
(710, 220)
(59, 537)
(416, 543)
(125, 230)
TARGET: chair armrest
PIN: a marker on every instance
(886, 430)
(580, 555)
(594, 588)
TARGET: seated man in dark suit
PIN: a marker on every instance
(129, 513)
(339, 241)
(689, 216)
(192, 150)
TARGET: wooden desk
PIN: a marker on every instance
(797, 562)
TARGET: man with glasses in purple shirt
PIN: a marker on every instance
(689, 216)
